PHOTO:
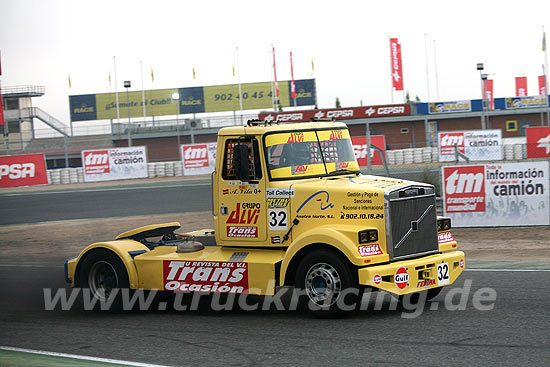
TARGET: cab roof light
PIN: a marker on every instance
(443, 224)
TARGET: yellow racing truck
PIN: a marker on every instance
(290, 208)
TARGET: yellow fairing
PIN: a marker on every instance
(122, 248)
(343, 239)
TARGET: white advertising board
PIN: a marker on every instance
(502, 194)
(477, 145)
(198, 159)
(114, 164)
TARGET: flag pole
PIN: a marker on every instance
(427, 68)
(271, 58)
(436, 75)
(545, 75)
(240, 89)
(142, 90)
(116, 93)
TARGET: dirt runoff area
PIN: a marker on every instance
(52, 242)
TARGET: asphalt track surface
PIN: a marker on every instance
(35, 207)
(514, 332)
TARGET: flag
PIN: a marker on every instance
(275, 73)
(292, 84)
(152, 75)
(312, 65)
(233, 69)
(396, 64)
(542, 85)
(521, 86)
(544, 41)
(109, 79)
(489, 96)
(193, 71)
(70, 84)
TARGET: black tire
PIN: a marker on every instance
(328, 284)
(101, 274)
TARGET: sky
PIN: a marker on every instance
(43, 41)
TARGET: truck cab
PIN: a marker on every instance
(291, 208)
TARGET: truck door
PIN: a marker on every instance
(242, 206)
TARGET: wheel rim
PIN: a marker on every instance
(102, 279)
(323, 284)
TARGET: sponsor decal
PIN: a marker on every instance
(275, 239)
(477, 145)
(242, 231)
(377, 279)
(336, 134)
(299, 170)
(445, 237)
(23, 170)
(297, 137)
(370, 250)
(277, 219)
(245, 213)
(425, 283)
(321, 197)
(464, 188)
(538, 142)
(401, 278)
(279, 193)
(205, 276)
(96, 162)
(461, 263)
(225, 191)
(277, 202)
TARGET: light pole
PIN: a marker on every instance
(128, 84)
(176, 98)
(480, 68)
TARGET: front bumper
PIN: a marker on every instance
(416, 275)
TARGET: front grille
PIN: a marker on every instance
(411, 225)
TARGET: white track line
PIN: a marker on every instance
(84, 358)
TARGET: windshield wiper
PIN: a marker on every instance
(343, 171)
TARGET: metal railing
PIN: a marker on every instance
(24, 90)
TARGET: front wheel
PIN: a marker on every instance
(328, 285)
(103, 275)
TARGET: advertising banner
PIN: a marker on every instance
(159, 102)
(538, 142)
(23, 170)
(450, 107)
(489, 85)
(198, 159)
(526, 102)
(360, 149)
(507, 194)
(337, 113)
(477, 145)
(114, 164)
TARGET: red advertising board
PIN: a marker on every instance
(96, 162)
(360, 149)
(23, 170)
(447, 141)
(538, 142)
(542, 85)
(464, 188)
(338, 113)
(195, 156)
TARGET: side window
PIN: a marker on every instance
(255, 168)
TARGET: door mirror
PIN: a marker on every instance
(241, 161)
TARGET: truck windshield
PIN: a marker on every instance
(299, 154)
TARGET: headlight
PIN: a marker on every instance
(368, 235)
(443, 224)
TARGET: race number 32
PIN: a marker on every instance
(277, 220)
(442, 273)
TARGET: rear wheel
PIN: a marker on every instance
(103, 275)
(328, 284)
